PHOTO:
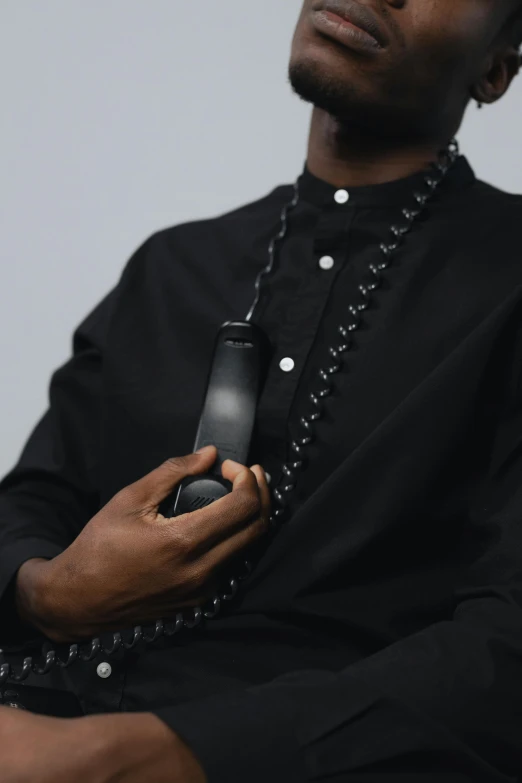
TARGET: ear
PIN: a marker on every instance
(501, 68)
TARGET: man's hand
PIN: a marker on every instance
(129, 748)
(130, 565)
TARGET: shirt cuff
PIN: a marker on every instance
(14, 634)
(240, 736)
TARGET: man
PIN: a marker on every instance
(380, 629)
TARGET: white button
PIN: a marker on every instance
(326, 262)
(342, 196)
(287, 364)
(104, 670)
(268, 477)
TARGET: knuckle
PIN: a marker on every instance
(181, 539)
(197, 578)
(264, 520)
(261, 526)
(248, 502)
(176, 464)
(125, 500)
(193, 583)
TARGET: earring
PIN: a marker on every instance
(479, 105)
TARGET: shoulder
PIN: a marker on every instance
(245, 222)
(220, 245)
(496, 197)
(494, 220)
(480, 232)
(486, 217)
(494, 204)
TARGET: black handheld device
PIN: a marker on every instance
(227, 419)
(234, 383)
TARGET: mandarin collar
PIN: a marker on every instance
(322, 194)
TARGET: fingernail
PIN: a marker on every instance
(203, 450)
(233, 462)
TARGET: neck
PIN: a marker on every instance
(348, 157)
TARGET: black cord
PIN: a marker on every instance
(90, 650)
(290, 470)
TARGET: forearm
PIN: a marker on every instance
(137, 748)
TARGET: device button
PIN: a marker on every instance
(104, 670)
(268, 477)
(342, 196)
(326, 262)
(287, 364)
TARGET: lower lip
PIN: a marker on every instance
(344, 32)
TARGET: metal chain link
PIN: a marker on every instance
(290, 470)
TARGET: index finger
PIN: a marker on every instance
(264, 490)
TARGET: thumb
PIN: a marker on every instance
(160, 482)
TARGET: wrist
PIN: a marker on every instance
(35, 601)
(138, 748)
(28, 591)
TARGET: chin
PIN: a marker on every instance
(320, 83)
(352, 105)
(326, 74)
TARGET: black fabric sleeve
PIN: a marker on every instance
(53, 490)
(446, 701)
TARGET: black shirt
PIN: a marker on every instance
(381, 631)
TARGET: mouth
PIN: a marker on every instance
(354, 18)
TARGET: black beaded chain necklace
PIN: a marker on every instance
(291, 470)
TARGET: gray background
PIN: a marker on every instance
(121, 117)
